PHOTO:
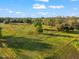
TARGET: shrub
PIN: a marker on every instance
(65, 27)
(38, 25)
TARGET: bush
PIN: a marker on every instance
(65, 27)
(39, 29)
(38, 25)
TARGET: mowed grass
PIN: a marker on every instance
(24, 43)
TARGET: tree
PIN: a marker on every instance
(38, 25)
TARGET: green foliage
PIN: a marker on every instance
(39, 29)
(38, 25)
(65, 27)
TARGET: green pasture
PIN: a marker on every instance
(23, 42)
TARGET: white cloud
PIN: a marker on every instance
(56, 7)
(40, 14)
(33, 15)
(39, 6)
(6, 10)
(10, 11)
(73, 14)
(1, 9)
(74, 8)
(74, 0)
(18, 12)
(43, 13)
(43, 0)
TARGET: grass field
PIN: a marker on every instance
(24, 43)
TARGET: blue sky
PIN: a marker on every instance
(38, 8)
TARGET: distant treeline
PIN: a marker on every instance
(31, 20)
(61, 23)
(15, 20)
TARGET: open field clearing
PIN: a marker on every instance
(22, 42)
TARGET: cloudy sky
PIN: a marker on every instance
(38, 8)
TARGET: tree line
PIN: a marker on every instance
(61, 23)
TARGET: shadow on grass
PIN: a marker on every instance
(49, 30)
(57, 35)
(73, 32)
(53, 57)
(26, 43)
